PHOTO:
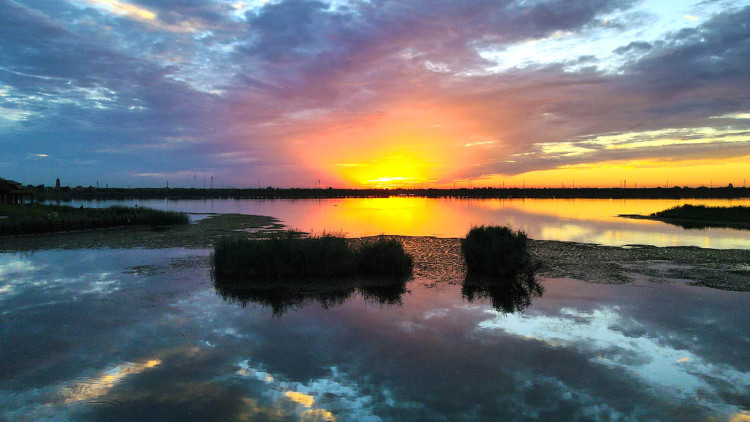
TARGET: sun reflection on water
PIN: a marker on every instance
(100, 385)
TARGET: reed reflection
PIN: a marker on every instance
(506, 294)
(290, 294)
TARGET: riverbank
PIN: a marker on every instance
(439, 260)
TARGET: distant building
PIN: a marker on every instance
(57, 183)
(11, 192)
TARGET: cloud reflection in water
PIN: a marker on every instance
(618, 340)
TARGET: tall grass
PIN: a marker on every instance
(495, 251)
(39, 218)
(705, 213)
(384, 256)
(289, 255)
(283, 256)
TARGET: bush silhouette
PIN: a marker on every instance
(495, 251)
(384, 256)
(289, 255)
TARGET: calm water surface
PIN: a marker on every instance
(579, 220)
(141, 334)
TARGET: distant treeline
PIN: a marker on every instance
(309, 193)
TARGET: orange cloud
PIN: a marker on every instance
(406, 145)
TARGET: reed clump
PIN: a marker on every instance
(291, 255)
(497, 251)
(706, 213)
(21, 219)
(384, 256)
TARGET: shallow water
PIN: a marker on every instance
(142, 334)
(577, 220)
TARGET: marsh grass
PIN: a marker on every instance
(500, 267)
(497, 251)
(38, 218)
(384, 256)
(291, 255)
(706, 213)
(286, 255)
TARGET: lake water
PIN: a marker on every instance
(577, 220)
(145, 334)
(141, 334)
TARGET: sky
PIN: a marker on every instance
(379, 93)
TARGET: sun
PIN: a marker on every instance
(391, 171)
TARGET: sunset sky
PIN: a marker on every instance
(375, 93)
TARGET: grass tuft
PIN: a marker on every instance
(384, 256)
(495, 251)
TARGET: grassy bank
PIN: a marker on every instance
(701, 216)
(39, 218)
(289, 255)
(705, 213)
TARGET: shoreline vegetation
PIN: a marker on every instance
(499, 267)
(675, 192)
(289, 254)
(439, 260)
(700, 216)
(31, 219)
(288, 269)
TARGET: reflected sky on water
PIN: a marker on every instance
(578, 220)
(143, 334)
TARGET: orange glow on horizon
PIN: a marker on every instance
(631, 174)
(426, 145)
(403, 147)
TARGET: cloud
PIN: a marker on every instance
(251, 86)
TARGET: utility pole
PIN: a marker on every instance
(212, 183)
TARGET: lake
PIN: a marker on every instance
(141, 334)
(145, 334)
(574, 220)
